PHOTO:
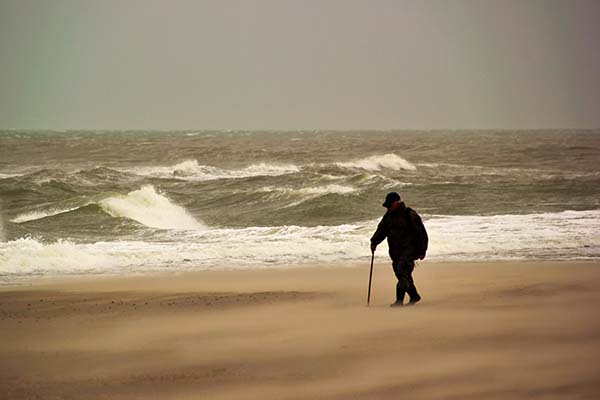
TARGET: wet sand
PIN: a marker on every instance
(482, 331)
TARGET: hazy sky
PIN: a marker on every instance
(299, 64)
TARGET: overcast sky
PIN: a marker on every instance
(328, 64)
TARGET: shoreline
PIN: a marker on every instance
(494, 330)
(66, 279)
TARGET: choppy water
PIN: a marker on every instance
(122, 202)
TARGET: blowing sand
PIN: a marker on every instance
(482, 331)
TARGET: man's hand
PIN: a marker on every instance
(373, 247)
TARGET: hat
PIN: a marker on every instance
(390, 199)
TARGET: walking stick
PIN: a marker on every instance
(370, 278)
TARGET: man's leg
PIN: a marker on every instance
(403, 268)
(412, 289)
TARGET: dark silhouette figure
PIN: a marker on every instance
(407, 241)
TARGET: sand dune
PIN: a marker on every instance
(482, 331)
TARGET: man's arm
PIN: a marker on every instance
(422, 237)
(379, 235)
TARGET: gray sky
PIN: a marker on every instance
(329, 64)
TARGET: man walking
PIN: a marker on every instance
(407, 241)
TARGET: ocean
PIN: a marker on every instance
(129, 202)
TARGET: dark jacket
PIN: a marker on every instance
(405, 232)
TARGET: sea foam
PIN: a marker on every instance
(569, 235)
(557, 236)
(28, 256)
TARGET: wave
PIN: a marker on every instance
(556, 236)
(2, 234)
(151, 209)
(8, 176)
(69, 180)
(315, 190)
(530, 174)
(254, 247)
(379, 162)
(569, 235)
(27, 256)
(40, 214)
(381, 181)
(191, 170)
(308, 193)
(144, 205)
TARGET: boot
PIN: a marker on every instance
(399, 297)
(413, 294)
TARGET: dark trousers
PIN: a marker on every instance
(403, 268)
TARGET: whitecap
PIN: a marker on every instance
(191, 170)
(40, 214)
(379, 162)
(8, 175)
(311, 190)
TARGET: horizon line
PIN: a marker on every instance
(62, 130)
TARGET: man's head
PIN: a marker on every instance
(390, 199)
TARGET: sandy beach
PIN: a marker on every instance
(483, 330)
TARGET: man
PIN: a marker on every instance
(407, 241)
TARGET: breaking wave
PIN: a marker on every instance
(149, 208)
(144, 205)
